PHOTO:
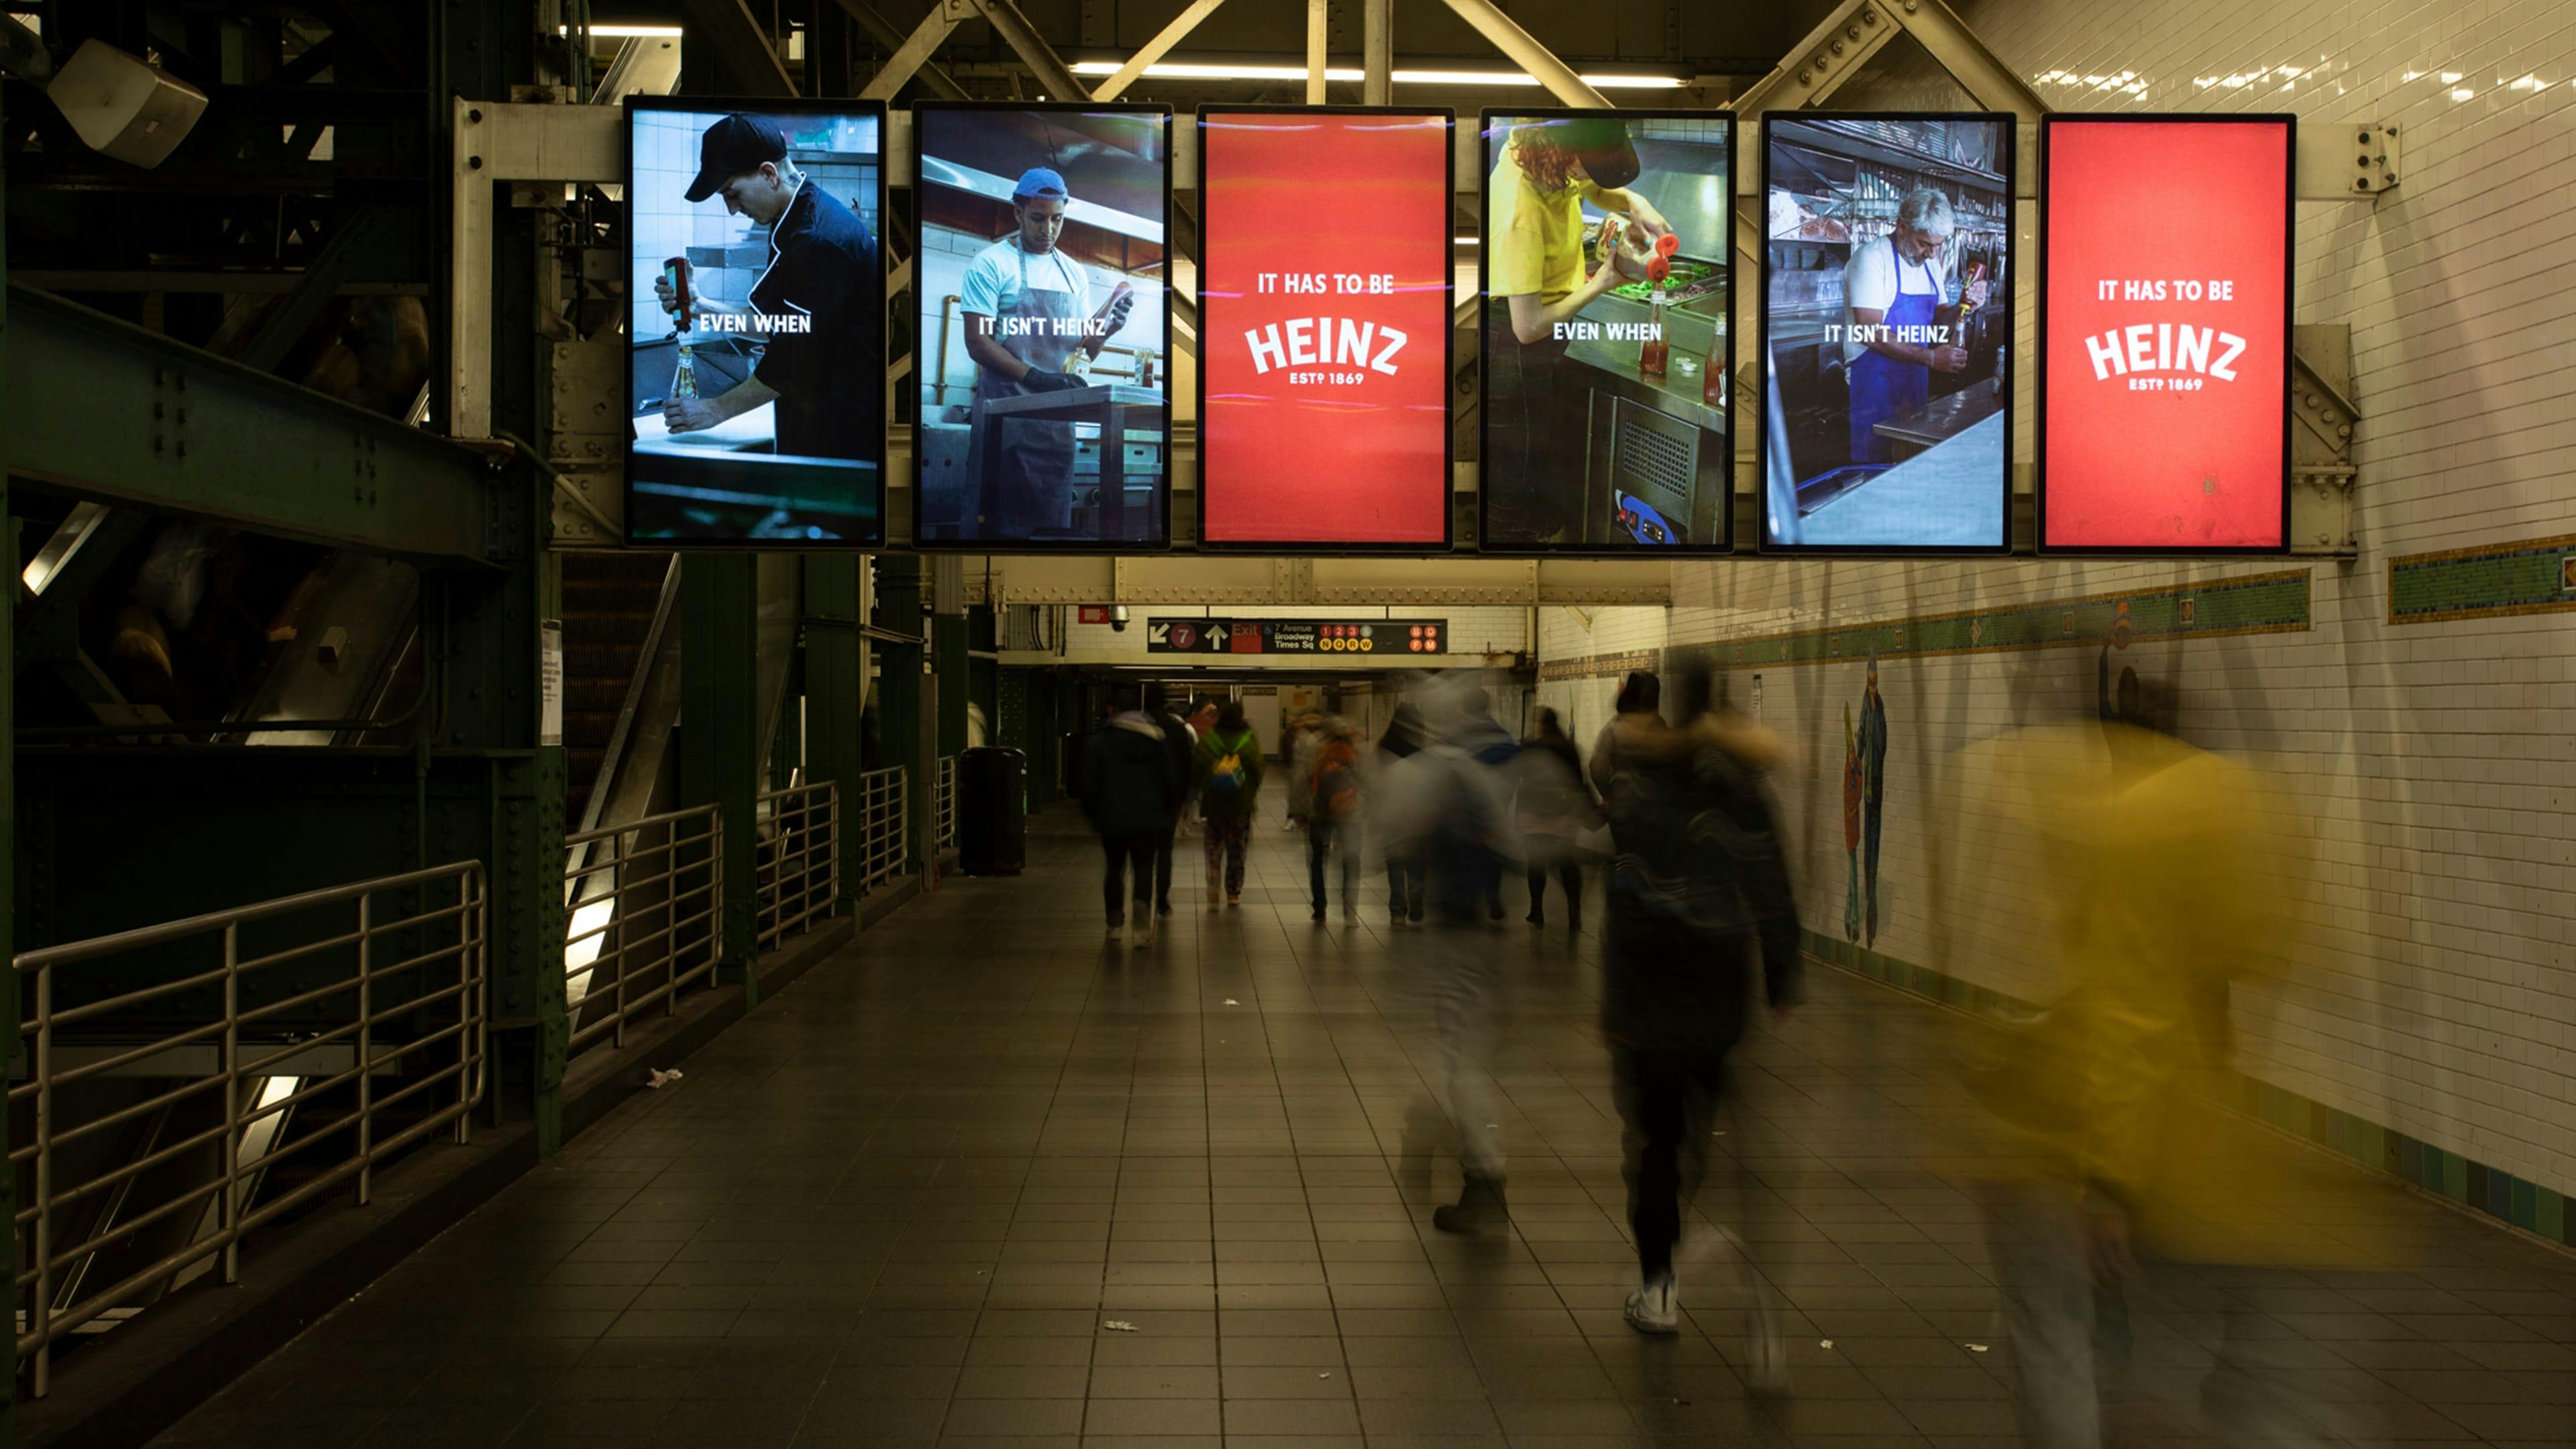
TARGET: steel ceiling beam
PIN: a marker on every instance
(1377, 53)
(1049, 68)
(741, 46)
(101, 409)
(1319, 16)
(913, 56)
(886, 34)
(1155, 49)
(1524, 50)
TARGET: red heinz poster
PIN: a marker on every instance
(2165, 334)
(1324, 294)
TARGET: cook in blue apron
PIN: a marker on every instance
(1026, 318)
(1883, 387)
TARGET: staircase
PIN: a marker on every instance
(608, 605)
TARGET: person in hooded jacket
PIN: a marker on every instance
(1405, 736)
(1131, 792)
(1698, 894)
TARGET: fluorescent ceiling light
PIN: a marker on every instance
(1462, 241)
(1191, 70)
(626, 32)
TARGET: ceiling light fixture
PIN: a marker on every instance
(626, 32)
(1194, 70)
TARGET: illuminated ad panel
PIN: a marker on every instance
(1324, 328)
(1607, 272)
(756, 359)
(1044, 365)
(1888, 281)
(2165, 334)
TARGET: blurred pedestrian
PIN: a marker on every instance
(1178, 739)
(1638, 711)
(1404, 736)
(1698, 889)
(1297, 747)
(1332, 788)
(1555, 809)
(1486, 742)
(1131, 791)
(2171, 872)
(1202, 719)
(1227, 770)
(1444, 811)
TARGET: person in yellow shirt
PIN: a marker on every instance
(1545, 170)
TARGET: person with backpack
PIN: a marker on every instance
(1130, 792)
(1226, 767)
(1699, 898)
(1333, 812)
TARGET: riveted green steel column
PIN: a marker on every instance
(900, 581)
(720, 743)
(8, 810)
(835, 693)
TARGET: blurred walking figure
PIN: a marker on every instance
(1227, 770)
(1554, 809)
(1697, 889)
(2169, 871)
(1332, 787)
(1444, 810)
(1297, 746)
(1131, 792)
(1182, 743)
(1639, 715)
(1486, 742)
(1404, 736)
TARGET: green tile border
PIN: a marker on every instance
(2540, 1211)
(2524, 576)
(2266, 603)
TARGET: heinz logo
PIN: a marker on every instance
(1325, 342)
(2164, 347)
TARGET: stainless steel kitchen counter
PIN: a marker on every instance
(1613, 361)
(1949, 497)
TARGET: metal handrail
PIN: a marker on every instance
(883, 800)
(386, 1037)
(654, 928)
(797, 866)
(943, 806)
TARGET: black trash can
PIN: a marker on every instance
(992, 811)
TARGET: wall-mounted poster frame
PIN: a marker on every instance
(1218, 311)
(992, 484)
(2179, 366)
(809, 326)
(1650, 454)
(1820, 503)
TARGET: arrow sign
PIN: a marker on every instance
(1216, 637)
(1158, 633)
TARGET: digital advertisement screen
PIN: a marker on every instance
(2165, 334)
(1324, 297)
(1607, 270)
(756, 381)
(1888, 275)
(1045, 352)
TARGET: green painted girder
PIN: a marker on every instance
(99, 408)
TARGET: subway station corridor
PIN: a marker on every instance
(984, 1180)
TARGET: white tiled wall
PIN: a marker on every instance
(2441, 995)
(665, 224)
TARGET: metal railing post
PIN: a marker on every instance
(366, 1053)
(471, 979)
(230, 1211)
(616, 932)
(43, 1314)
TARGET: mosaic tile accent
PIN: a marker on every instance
(2529, 576)
(1599, 666)
(2251, 604)
(2500, 1195)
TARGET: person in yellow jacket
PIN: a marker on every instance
(2174, 871)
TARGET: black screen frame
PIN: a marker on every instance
(760, 105)
(2289, 125)
(2003, 545)
(1485, 543)
(921, 330)
(1312, 548)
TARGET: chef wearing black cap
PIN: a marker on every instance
(818, 307)
(1543, 174)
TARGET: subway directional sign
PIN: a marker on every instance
(1296, 636)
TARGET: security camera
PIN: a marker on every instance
(1118, 618)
